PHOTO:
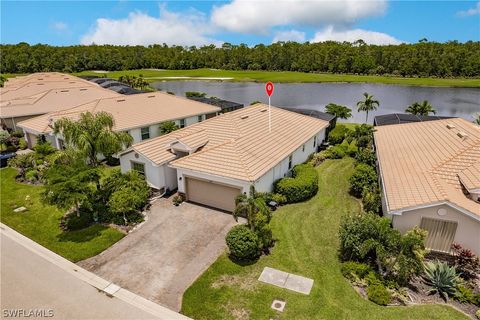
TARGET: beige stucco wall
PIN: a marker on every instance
(468, 229)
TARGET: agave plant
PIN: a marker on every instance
(442, 278)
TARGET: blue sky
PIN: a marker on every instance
(250, 22)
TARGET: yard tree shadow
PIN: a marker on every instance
(83, 235)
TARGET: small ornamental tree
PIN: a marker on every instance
(242, 243)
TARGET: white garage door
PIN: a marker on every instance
(212, 194)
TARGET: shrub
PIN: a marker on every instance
(378, 294)
(31, 175)
(301, 186)
(71, 221)
(366, 156)
(338, 134)
(354, 270)
(442, 278)
(371, 200)
(177, 199)
(318, 158)
(368, 238)
(43, 149)
(242, 243)
(17, 134)
(477, 314)
(466, 262)
(22, 144)
(464, 294)
(270, 196)
(335, 152)
(363, 177)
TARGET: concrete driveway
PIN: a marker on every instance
(163, 257)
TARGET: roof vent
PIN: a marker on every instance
(450, 126)
(40, 84)
(462, 134)
(243, 117)
(120, 100)
(63, 90)
(263, 110)
(72, 82)
(151, 96)
(83, 89)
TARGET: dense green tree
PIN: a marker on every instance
(195, 94)
(420, 109)
(341, 112)
(93, 135)
(367, 104)
(167, 127)
(422, 59)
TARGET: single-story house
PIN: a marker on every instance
(430, 177)
(140, 115)
(214, 161)
(19, 109)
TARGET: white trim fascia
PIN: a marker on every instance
(214, 176)
(400, 212)
(382, 179)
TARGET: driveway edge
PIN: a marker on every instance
(90, 278)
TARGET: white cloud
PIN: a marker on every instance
(59, 26)
(187, 29)
(248, 16)
(470, 12)
(289, 35)
(370, 37)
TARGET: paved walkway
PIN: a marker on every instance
(163, 257)
(34, 279)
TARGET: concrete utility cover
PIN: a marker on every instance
(20, 209)
(286, 280)
(111, 289)
(299, 284)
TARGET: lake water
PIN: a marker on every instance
(458, 102)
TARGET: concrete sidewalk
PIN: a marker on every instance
(34, 279)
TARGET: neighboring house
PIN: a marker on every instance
(140, 115)
(430, 177)
(39, 93)
(16, 110)
(214, 161)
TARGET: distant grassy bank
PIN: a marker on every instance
(152, 75)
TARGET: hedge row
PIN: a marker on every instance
(301, 186)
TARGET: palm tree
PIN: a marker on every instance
(339, 111)
(92, 135)
(368, 104)
(250, 206)
(420, 109)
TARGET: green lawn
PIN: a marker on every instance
(307, 245)
(41, 222)
(287, 76)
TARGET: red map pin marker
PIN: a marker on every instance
(269, 88)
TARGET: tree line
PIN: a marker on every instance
(423, 59)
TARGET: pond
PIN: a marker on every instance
(458, 102)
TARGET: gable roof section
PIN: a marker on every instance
(52, 100)
(470, 177)
(420, 163)
(131, 111)
(239, 144)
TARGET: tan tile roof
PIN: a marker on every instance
(52, 100)
(129, 111)
(470, 177)
(239, 144)
(420, 162)
(43, 77)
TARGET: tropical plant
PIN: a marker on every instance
(441, 278)
(250, 206)
(477, 119)
(367, 104)
(366, 156)
(71, 185)
(466, 262)
(167, 127)
(255, 102)
(420, 109)
(2, 80)
(378, 294)
(93, 135)
(339, 111)
(4, 135)
(338, 134)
